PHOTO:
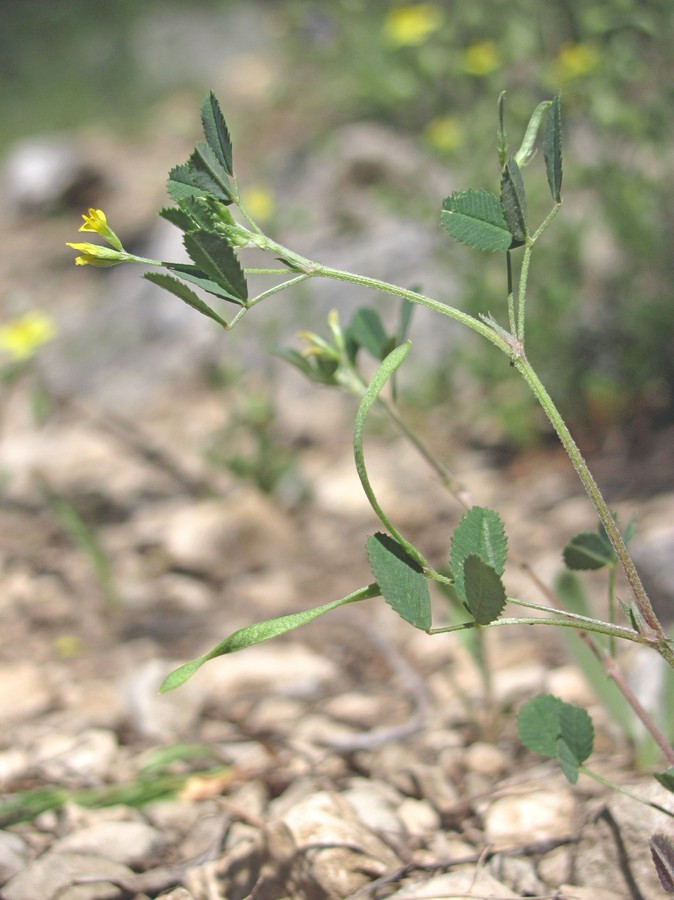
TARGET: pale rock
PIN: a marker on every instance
(473, 882)
(24, 690)
(124, 842)
(289, 669)
(13, 763)
(89, 754)
(575, 892)
(622, 832)
(355, 708)
(431, 783)
(485, 759)
(375, 805)
(517, 682)
(519, 873)
(160, 716)
(570, 685)
(56, 875)
(555, 867)
(537, 815)
(13, 855)
(351, 854)
(418, 817)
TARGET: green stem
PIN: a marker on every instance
(291, 282)
(608, 628)
(511, 301)
(590, 625)
(644, 604)
(522, 291)
(617, 787)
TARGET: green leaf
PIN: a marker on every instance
(552, 148)
(475, 218)
(480, 532)
(366, 330)
(538, 724)
(194, 275)
(577, 730)
(666, 779)
(514, 201)
(208, 165)
(527, 152)
(187, 295)
(588, 550)
(192, 180)
(215, 131)
(217, 259)
(485, 594)
(261, 631)
(177, 217)
(400, 579)
(567, 760)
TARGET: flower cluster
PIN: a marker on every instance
(95, 254)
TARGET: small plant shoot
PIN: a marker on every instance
(217, 230)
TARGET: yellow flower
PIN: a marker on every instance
(444, 133)
(95, 255)
(96, 221)
(21, 337)
(481, 58)
(576, 60)
(412, 24)
(259, 202)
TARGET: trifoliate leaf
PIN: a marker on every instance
(475, 218)
(400, 579)
(538, 724)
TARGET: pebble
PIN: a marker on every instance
(56, 875)
(24, 690)
(13, 855)
(124, 842)
(536, 815)
(473, 882)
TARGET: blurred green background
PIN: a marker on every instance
(601, 316)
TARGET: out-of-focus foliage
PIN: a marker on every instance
(601, 318)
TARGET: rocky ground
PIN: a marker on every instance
(352, 758)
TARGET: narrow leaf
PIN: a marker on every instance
(400, 579)
(526, 152)
(514, 201)
(662, 851)
(485, 594)
(366, 330)
(261, 631)
(666, 779)
(194, 275)
(588, 550)
(215, 131)
(577, 730)
(552, 148)
(538, 724)
(191, 179)
(501, 136)
(207, 163)
(567, 760)
(479, 532)
(217, 259)
(177, 217)
(187, 295)
(475, 218)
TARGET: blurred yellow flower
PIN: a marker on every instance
(95, 255)
(445, 133)
(21, 337)
(481, 58)
(96, 221)
(576, 60)
(259, 202)
(410, 25)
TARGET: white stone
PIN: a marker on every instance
(536, 815)
(24, 691)
(125, 842)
